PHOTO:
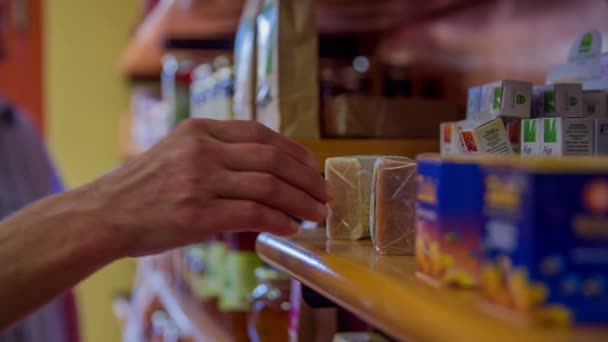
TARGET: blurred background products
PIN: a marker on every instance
(382, 78)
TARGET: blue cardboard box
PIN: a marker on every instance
(546, 238)
(449, 220)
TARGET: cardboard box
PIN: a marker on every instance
(567, 136)
(488, 137)
(595, 103)
(531, 137)
(448, 220)
(449, 140)
(513, 128)
(507, 99)
(544, 240)
(600, 136)
(558, 100)
(473, 101)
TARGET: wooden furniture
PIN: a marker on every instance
(384, 291)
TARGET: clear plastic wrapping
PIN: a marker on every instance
(393, 205)
(349, 211)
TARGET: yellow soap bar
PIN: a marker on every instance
(349, 210)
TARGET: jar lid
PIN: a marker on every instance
(268, 273)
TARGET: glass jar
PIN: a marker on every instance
(269, 306)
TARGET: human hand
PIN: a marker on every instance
(205, 178)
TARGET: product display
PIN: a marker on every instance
(531, 137)
(488, 137)
(508, 220)
(287, 51)
(558, 100)
(550, 267)
(448, 220)
(245, 61)
(393, 205)
(450, 142)
(349, 210)
(504, 99)
(600, 136)
(567, 136)
(595, 103)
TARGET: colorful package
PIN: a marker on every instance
(485, 137)
(567, 136)
(349, 211)
(449, 139)
(448, 220)
(545, 239)
(531, 137)
(393, 205)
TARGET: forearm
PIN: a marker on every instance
(48, 248)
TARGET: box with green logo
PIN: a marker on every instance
(600, 136)
(531, 137)
(558, 100)
(567, 136)
(595, 103)
(507, 98)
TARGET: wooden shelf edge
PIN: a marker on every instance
(384, 291)
(187, 316)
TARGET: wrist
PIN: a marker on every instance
(90, 219)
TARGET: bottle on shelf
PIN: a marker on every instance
(270, 306)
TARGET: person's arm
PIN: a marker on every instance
(206, 177)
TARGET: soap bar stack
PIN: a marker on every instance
(373, 194)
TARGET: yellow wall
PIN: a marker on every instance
(84, 99)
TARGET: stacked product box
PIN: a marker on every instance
(545, 246)
(448, 220)
(559, 125)
(494, 113)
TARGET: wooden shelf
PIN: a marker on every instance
(171, 19)
(384, 291)
(325, 148)
(188, 317)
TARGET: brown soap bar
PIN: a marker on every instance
(351, 178)
(393, 216)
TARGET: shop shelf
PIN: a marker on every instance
(189, 318)
(325, 148)
(384, 291)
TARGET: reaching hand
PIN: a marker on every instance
(208, 177)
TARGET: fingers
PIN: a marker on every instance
(269, 159)
(269, 190)
(237, 131)
(242, 215)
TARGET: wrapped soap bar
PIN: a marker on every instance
(393, 207)
(351, 178)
